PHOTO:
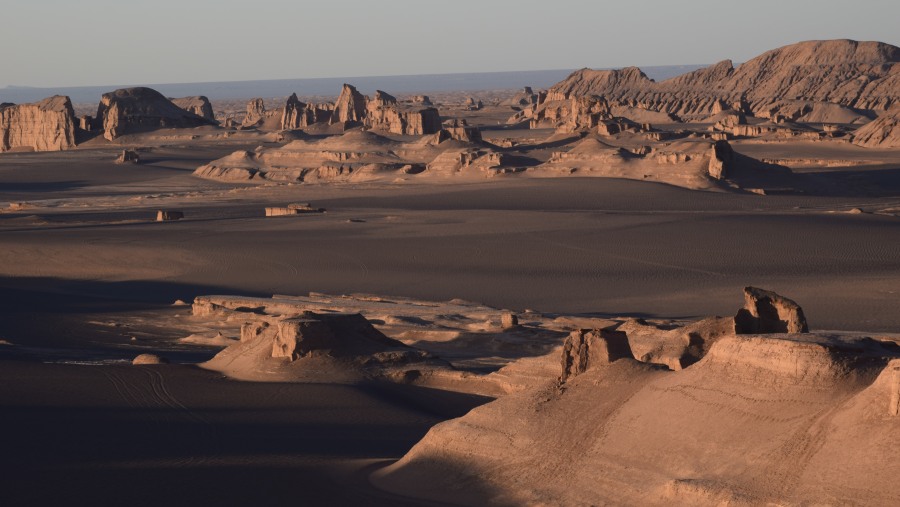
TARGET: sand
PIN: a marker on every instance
(88, 279)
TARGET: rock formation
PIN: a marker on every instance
(149, 359)
(297, 114)
(767, 312)
(128, 156)
(720, 160)
(883, 132)
(857, 75)
(142, 109)
(198, 105)
(385, 113)
(48, 125)
(586, 348)
(256, 112)
(168, 215)
(350, 106)
(458, 130)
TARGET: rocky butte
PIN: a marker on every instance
(48, 125)
(130, 110)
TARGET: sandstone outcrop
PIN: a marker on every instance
(458, 130)
(149, 359)
(720, 160)
(585, 349)
(350, 106)
(883, 132)
(767, 312)
(140, 109)
(385, 113)
(297, 114)
(48, 125)
(256, 112)
(168, 215)
(198, 105)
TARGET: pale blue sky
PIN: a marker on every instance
(96, 42)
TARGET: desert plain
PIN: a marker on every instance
(546, 297)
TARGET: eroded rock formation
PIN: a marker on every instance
(198, 105)
(142, 109)
(587, 348)
(767, 312)
(850, 74)
(883, 132)
(385, 113)
(350, 106)
(48, 125)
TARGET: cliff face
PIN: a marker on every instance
(350, 106)
(297, 114)
(48, 125)
(859, 75)
(141, 109)
(385, 113)
(198, 105)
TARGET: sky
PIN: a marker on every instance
(53, 43)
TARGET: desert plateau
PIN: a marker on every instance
(669, 285)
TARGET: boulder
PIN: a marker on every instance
(767, 312)
(585, 349)
(141, 109)
(198, 105)
(422, 100)
(48, 125)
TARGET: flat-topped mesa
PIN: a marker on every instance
(142, 109)
(859, 75)
(198, 105)
(384, 112)
(350, 106)
(48, 125)
(297, 114)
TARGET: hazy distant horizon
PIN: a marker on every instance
(330, 86)
(52, 43)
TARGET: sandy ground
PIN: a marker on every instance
(177, 435)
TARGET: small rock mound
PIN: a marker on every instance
(149, 359)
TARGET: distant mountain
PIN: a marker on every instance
(857, 75)
(419, 84)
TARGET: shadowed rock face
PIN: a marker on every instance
(142, 109)
(350, 106)
(585, 349)
(385, 113)
(48, 125)
(198, 105)
(883, 132)
(767, 312)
